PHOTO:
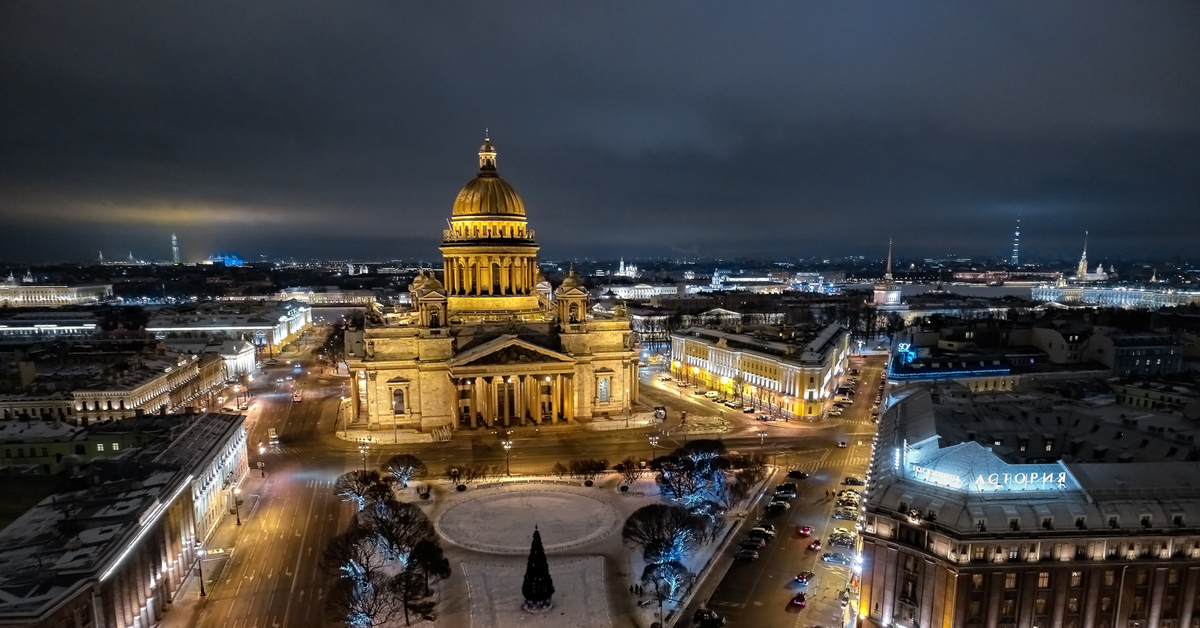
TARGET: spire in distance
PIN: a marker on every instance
(888, 273)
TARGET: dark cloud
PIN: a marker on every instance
(345, 129)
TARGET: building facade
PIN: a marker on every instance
(792, 372)
(33, 295)
(115, 555)
(1006, 511)
(492, 343)
(268, 325)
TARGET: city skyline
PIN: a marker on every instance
(715, 131)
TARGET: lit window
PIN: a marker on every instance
(99, 446)
(1043, 581)
(116, 446)
(1010, 581)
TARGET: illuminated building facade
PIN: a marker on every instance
(792, 372)
(267, 324)
(13, 294)
(1022, 510)
(132, 540)
(491, 344)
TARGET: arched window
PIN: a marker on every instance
(573, 313)
(495, 279)
(398, 401)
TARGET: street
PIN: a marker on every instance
(268, 573)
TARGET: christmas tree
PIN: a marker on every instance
(538, 587)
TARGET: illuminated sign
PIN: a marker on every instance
(938, 477)
(988, 482)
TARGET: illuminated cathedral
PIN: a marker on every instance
(491, 343)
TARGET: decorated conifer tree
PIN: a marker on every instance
(537, 587)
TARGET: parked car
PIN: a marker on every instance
(733, 404)
(846, 502)
(845, 514)
(748, 410)
(699, 393)
(778, 507)
(783, 496)
(847, 492)
(786, 486)
(746, 554)
(836, 558)
(841, 541)
(844, 399)
(799, 600)
(707, 618)
(712, 394)
(766, 526)
(753, 542)
(853, 481)
(762, 533)
(805, 578)
(804, 531)
(800, 475)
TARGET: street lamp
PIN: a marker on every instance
(236, 511)
(507, 448)
(653, 445)
(200, 569)
(364, 448)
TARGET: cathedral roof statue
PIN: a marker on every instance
(487, 194)
(431, 282)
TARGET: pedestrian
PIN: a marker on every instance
(631, 588)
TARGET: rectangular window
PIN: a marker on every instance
(1039, 606)
(1076, 578)
(977, 581)
(1072, 605)
(977, 552)
(1044, 580)
(116, 446)
(1012, 552)
(974, 608)
(1139, 605)
(1110, 578)
(1172, 576)
(1105, 604)
(1141, 577)
(99, 446)
(1010, 580)
(1008, 607)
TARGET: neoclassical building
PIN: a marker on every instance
(491, 343)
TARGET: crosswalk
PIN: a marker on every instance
(812, 466)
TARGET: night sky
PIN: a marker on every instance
(785, 129)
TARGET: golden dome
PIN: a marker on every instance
(487, 194)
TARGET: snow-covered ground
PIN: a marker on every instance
(501, 519)
(580, 600)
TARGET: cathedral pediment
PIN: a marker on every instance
(510, 350)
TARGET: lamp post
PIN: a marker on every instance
(364, 448)
(340, 405)
(236, 511)
(507, 448)
(653, 446)
(200, 569)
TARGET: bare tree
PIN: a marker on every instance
(362, 595)
(405, 467)
(407, 589)
(396, 527)
(587, 469)
(631, 470)
(363, 487)
(665, 532)
(560, 470)
(368, 603)
(428, 560)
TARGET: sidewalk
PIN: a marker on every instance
(185, 608)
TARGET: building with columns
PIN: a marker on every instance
(492, 343)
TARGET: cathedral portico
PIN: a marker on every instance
(492, 344)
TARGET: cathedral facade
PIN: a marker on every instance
(492, 343)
